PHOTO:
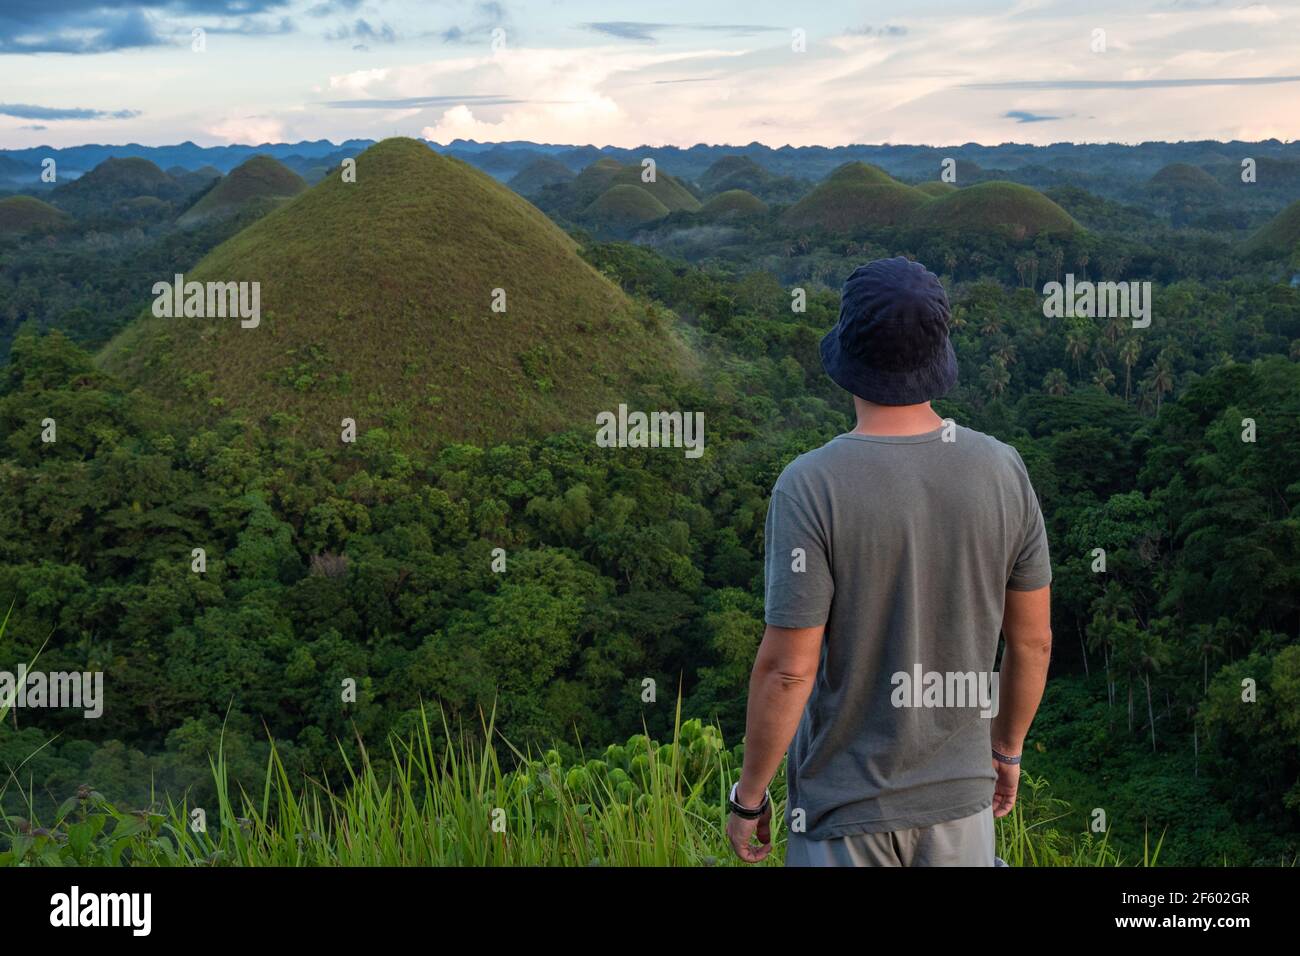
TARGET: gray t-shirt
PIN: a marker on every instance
(903, 546)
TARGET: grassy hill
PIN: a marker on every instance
(861, 174)
(850, 201)
(595, 179)
(603, 174)
(734, 172)
(1185, 183)
(935, 188)
(116, 179)
(376, 304)
(1277, 237)
(734, 204)
(999, 207)
(259, 177)
(625, 206)
(1184, 177)
(539, 174)
(24, 214)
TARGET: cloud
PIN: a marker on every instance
(488, 16)
(26, 111)
(253, 27)
(35, 126)
(62, 28)
(423, 102)
(362, 30)
(1149, 84)
(646, 32)
(888, 30)
(104, 26)
(252, 130)
(1024, 116)
(333, 7)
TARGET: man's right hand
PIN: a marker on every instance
(1004, 789)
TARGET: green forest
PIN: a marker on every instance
(586, 601)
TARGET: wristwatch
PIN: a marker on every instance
(747, 813)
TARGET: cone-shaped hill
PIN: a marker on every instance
(734, 172)
(540, 173)
(376, 304)
(936, 188)
(734, 204)
(1277, 237)
(1185, 178)
(607, 173)
(855, 196)
(115, 179)
(257, 178)
(25, 214)
(996, 207)
(859, 173)
(624, 206)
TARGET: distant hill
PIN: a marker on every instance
(376, 305)
(258, 178)
(624, 206)
(1186, 180)
(13, 171)
(1000, 207)
(572, 200)
(20, 215)
(539, 174)
(734, 204)
(192, 180)
(855, 196)
(734, 172)
(108, 188)
(115, 179)
(859, 174)
(1279, 236)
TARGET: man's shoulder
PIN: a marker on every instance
(809, 468)
(815, 468)
(981, 444)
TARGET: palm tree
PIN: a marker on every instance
(1153, 654)
(1103, 378)
(1076, 346)
(1055, 382)
(996, 378)
(1129, 352)
(1160, 378)
(1004, 351)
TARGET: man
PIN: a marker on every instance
(895, 554)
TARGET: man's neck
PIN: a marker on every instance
(895, 419)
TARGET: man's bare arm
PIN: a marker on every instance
(1027, 627)
(779, 687)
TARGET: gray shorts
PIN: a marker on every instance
(964, 842)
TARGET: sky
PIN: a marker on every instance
(647, 73)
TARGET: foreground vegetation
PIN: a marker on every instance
(636, 804)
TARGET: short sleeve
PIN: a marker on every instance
(1033, 565)
(797, 570)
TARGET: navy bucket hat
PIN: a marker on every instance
(891, 344)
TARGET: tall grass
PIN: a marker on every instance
(643, 804)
